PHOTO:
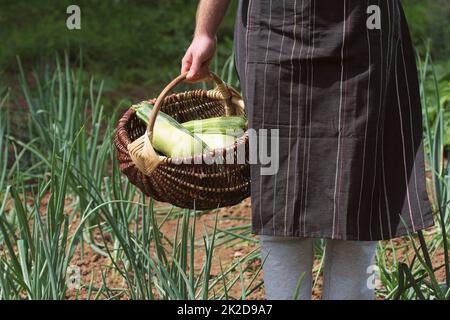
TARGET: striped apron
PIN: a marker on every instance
(338, 80)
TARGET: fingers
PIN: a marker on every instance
(186, 62)
(197, 58)
(198, 70)
(194, 69)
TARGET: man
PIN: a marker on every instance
(336, 83)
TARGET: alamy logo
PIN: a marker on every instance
(373, 271)
(374, 20)
(263, 149)
(73, 277)
(73, 22)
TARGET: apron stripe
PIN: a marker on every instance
(306, 114)
(390, 50)
(365, 132)
(382, 112)
(307, 119)
(377, 130)
(335, 211)
(403, 144)
(412, 135)
(278, 109)
(290, 121)
(298, 127)
(247, 78)
(310, 87)
(264, 107)
(249, 21)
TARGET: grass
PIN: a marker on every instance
(67, 191)
(117, 38)
(61, 191)
(415, 276)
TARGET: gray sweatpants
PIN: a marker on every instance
(348, 272)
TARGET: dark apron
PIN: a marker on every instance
(345, 100)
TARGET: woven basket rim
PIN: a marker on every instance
(190, 159)
(182, 188)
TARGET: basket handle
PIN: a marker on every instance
(221, 87)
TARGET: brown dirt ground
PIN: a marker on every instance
(93, 264)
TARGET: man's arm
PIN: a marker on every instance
(210, 14)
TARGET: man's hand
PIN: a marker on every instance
(198, 56)
(196, 61)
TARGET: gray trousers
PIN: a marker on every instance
(349, 268)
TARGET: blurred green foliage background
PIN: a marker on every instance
(142, 42)
(129, 41)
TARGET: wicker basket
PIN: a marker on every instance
(190, 184)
